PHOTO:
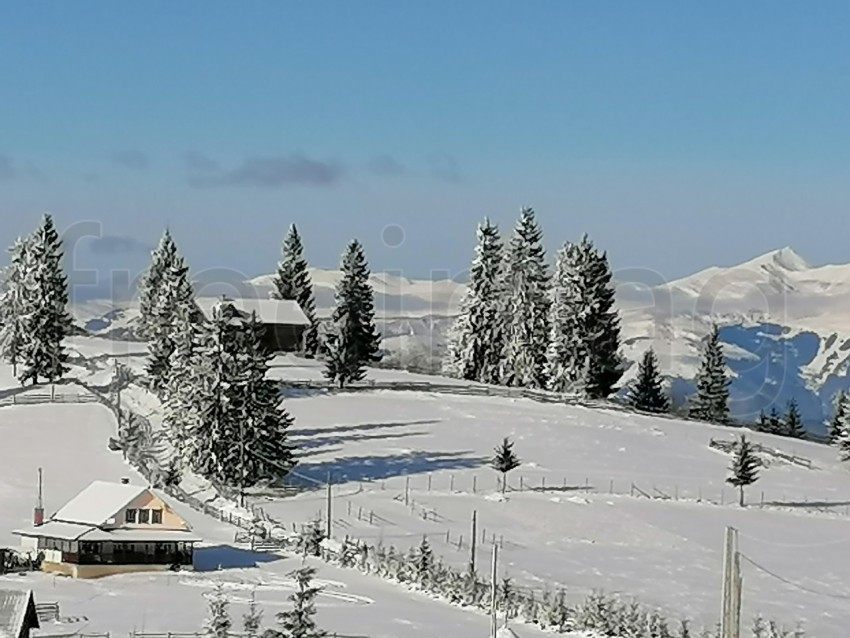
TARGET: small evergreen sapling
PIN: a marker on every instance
(775, 424)
(423, 563)
(647, 393)
(762, 424)
(744, 468)
(218, 621)
(252, 619)
(300, 622)
(505, 460)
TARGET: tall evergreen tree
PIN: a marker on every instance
(842, 440)
(353, 342)
(835, 425)
(584, 339)
(505, 460)
(265, 422)
(300, 622)
(602, 326)
(647, 393)
(711, 402)
(162, 259)
(47, 322)
(775, 425)
(174, 302)
(526, 306)
(293, 282)
(794, 422)
(744, 469)
(566, 354)
(16, 303)
(212, 419)
(474, 346)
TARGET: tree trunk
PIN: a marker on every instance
(504, 482)
(741, 500)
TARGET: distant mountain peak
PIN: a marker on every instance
(785, 258)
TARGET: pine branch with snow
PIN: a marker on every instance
(218, 623)
(300, 621)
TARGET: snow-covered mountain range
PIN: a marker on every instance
(785, 323)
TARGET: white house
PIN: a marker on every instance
(112, 528)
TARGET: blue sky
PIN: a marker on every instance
(679, 135)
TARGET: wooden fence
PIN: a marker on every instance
(33, 398)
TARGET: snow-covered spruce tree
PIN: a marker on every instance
(474, 345)
(423, 563)
(180, 392)
(292, 281)
(300, 622)
(310, 539)
(647, 394)
(218, 623)
(162, 259)
(842, 441)
(794, 422)
(264, 421)
(711, 402)
(684, 628)
(353, 340)
(174, 301)
(252, 619)
(504, 461)
(759, 628)
(15, 303)
(212, 418)
(836, 424)
(526, 306)
(566, 353)
(744, 468)
(47, 321)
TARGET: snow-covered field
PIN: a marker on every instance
(578, 522)
(69, 441)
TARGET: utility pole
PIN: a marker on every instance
(730, 611)
(38, 514)
(494, 625)
(472, 543)
(330, 500)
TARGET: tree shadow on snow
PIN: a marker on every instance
(360, 427)
(327, 441)
(370, 468)
(210, 559)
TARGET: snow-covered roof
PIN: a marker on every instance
(269, 311)
(55, 529)
(98, 503)
(14, 605)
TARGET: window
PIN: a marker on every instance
(156, 517)
(130, 516)
(144, 516)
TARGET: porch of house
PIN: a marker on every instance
(93, 559)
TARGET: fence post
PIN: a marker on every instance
(429, 482)
(521, 483)
(611, 487)
(543, 483)
(452, 483)
(475, 484)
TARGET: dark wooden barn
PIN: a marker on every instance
(284, 321)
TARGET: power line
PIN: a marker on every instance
(792, 583)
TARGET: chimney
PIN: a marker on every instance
(38, 511)
(125, 481)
